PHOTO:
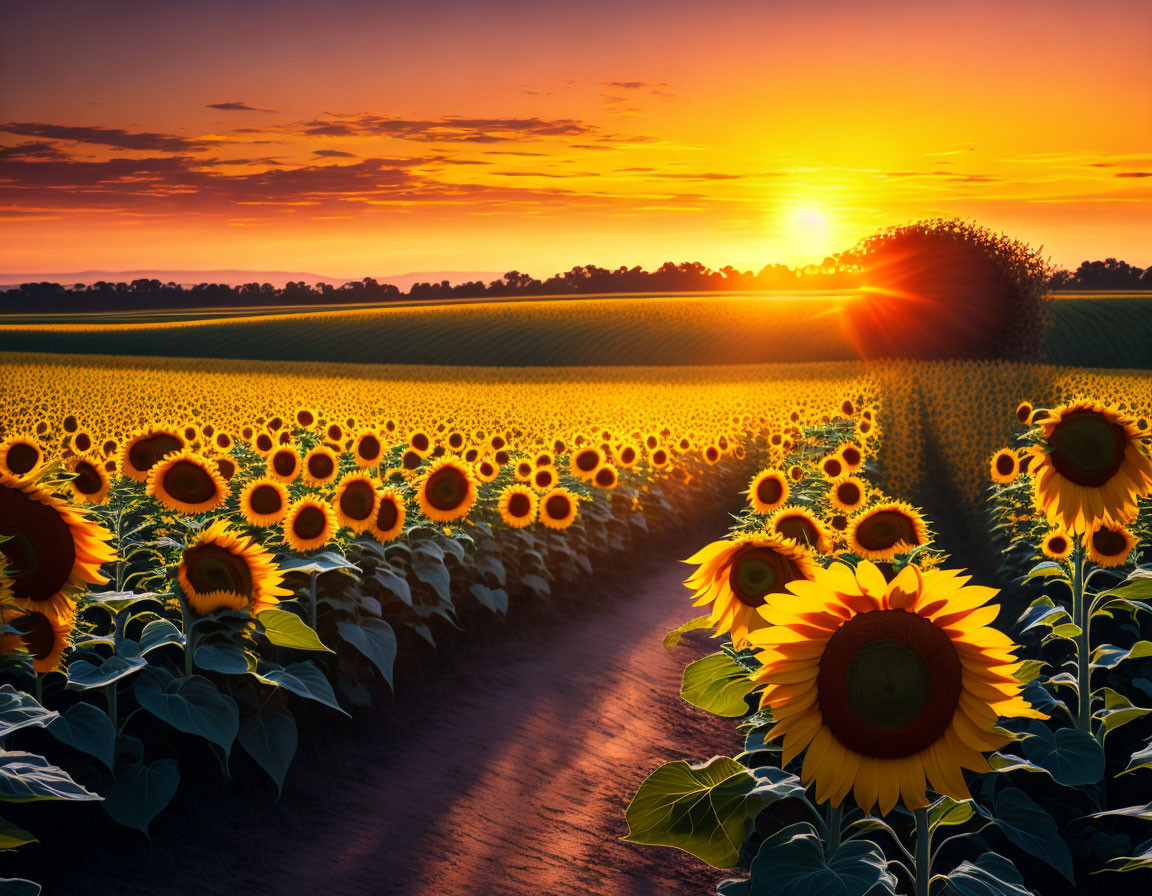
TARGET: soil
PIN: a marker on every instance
(506, 773)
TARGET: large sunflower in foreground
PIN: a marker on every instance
(223, 570)
(737, 576)
(187, 482)
(1089, 467)
(49, 545)
(447, 491)
(889, 686)
(45, 635)
(20, 455)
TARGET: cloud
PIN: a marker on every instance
(1133, 174)
(703, 175)
(32, 149)
(633, 85)
(448, 129)
(114, 137)
(333, 154)
(236, 107)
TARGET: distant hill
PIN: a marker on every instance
(236, 278)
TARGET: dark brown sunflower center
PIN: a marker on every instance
(320, 466)
(369, 448)
(1109, 542)
(833, 467)
(757, 572)
(446, 489)
(309, 523)
(770, 490)
(558, 507)
(387, 515)
(1087, 448)
(40, 550)
(420, 442)
(189, 482)
(225, 467)
(357, 500)
(851, 455)
(1005, 464)
(264, 442)
(145, 453)
(799, 528)
(848, 493)
(88, 480)
(284, 463)
(22, 457)
(543, 478)
(211, 567)
(587, 461)
(889, 684)
(885, 529)
(265, 500)
(36, 632)
(839, 522)
(411, 460)
(519, 504)
(628, 455)
(604, 477)
(305, 418)
(1057, 544)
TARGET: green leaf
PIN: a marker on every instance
(1072, 756)
(717, 684)
(1068, 631)
(1118, 710)
(495, 599)
(227, 659)
(989, 875)
(1137, 586)
(87, 729)
(1029, 670)
(83, 674)
(193, 705)
(137, 792)
(706, 810)
(1006, 762)
(269, 736)
(673, 637)
(375, 639)
(28, 778)
(947, 811)
(20, 710)
(12, 837)
(118, 601)
(285, 629)
(791, 863)
(1108, 656)
(19, 886)
(1046, 569)
(1031, 828)
(1140, 759)
(159, 633)
(395, 585)
(316, 563)
(1141, 860)
(434, 574)
(538, 585)
(303, 679)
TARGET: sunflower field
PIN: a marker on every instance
(191, 571)
(906, 730)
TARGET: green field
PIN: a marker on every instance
(1096, 330)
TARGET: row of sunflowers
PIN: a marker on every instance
(199, 583)
(903, 732)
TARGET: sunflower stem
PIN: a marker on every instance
(38, 687)
(312, 600)
(1081, 619)
(835, 820)
(923, 852)
(187, 628)
(113, 709)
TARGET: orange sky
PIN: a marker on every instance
(466, 136)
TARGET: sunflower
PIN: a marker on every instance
(832, 467)
(523, 470)
(851, 456)
(1056, 545)
(284, 464)
(659, 458)
(263, 501)
(848, 494)
(223, 442)
(226, 467)
(20, 455)
(81, 442)
(50, 546)
(735, 577)
(799, 525)
(305, 417)
(544, 459)
(584, 463)
(1089, 467)
(390, 512)
(1004, 466)
(517, 506)
(558, 508)
(221, 569)
(768, 491)
(455, 441)
(46, 635)
(309, 524)
(144, 450)
(1024, 412)
(889, 686)
(795, 472)
(712, 454)
(1108, 545)
(90, 482)
(186, 482)
(263, 443)
(420, 443)
(355, 502)
(487, 470)
(447, 491)
(320, 466)
(885, 530)
(368, 449)
(626, 455)
(544, 478)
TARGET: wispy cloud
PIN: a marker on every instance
(236, 107)
(114, 137)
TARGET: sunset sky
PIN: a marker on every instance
(368, 138)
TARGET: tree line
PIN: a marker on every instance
(835, 272)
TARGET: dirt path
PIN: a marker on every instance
(509, 776)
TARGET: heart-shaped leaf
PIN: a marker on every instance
(285, 629)
(717, 684)
(87, 729)
(269, 736)
(375, 639)
(193, 705)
